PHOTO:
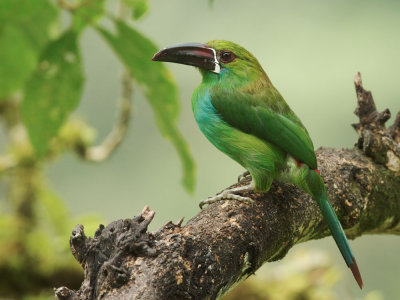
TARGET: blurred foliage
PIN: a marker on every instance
(43, 62)
(133, 49)
(53, 91)
(305, 275)
(41, 84)
(139, 8)
(25, 30)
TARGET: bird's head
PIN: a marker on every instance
(216, 59)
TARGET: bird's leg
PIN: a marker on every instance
(230, 194)
(244, 176)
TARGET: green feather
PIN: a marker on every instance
(253, 114)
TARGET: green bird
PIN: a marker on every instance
(242, 114)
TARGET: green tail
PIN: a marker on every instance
(318, 191)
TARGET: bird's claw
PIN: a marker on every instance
(244, 176)
(202, 203)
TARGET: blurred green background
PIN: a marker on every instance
(311, 51)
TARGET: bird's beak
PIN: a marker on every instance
(192, 54)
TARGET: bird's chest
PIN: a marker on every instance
(208, 120)
(223, 136)
(251, 152)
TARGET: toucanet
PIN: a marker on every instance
(242, 114)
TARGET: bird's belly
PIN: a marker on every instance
(260, 158)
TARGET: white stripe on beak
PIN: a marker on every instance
(217, 65)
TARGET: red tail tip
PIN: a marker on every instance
(356, 273)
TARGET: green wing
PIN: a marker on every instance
(268, 117)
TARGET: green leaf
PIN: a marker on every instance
(34, 17)
(139, 7)
(17, 60)
(53, 91)
(88, 13)
(25, 27)
(136, 52)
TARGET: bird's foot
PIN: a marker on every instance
(230, 195)
(244, 176)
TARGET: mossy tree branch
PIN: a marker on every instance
(228, 241)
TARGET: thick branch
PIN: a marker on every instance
(228, 241)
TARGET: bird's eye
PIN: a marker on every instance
(226, 56)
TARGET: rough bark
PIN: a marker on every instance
(228, 241)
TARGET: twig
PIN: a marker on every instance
(112, 141)
(366, 109)
(377, 142)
